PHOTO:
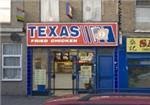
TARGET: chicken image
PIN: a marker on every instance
(100, 33)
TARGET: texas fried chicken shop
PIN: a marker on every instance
(69, 57)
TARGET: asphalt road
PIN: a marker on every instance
(24, 100)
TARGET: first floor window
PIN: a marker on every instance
(49, 10)
(12, 62)
(142, 15)
(5, 11)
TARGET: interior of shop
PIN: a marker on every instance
(62, 70)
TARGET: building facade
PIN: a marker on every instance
(71, 75)
(135, 48)
(48, 70)
(13, 48)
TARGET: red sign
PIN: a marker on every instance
(72, 34)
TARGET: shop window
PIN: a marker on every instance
(5, 11)
(142, 15)
(139, 77)
(12, 62)
(49, 10)
(136, 62)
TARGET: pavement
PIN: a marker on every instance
(24, 100)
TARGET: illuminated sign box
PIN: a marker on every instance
(138, 45)
(72, 34)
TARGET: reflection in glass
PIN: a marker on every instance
(139, 77)
(12, 73)
(11, 49)
(11, 61)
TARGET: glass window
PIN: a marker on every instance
(11, 73)
(5, 11)
(138, 62)
(49, 10)
(11, 49)
(142, 15)
(139, 77)
(11, 59)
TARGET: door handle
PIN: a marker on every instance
(53, 76)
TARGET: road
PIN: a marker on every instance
(24, 100)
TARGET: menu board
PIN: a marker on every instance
(86, 70)
(85, 73)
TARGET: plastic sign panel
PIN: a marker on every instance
(72, 34)
(138, 45)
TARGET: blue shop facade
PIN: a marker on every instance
(72, 58)
(134, 65)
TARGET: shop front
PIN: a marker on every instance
(71, 58)
(137, 65)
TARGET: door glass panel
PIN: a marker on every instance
(62, 68)
(73, 69)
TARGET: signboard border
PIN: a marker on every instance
(114, 44)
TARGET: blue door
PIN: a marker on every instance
(105, 73)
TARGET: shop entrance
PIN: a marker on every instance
(70, 70)
(59, 71)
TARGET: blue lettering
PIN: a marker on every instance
(74, 31)
(64, 31)
(32, 29)
(52, 32)
(41, 31)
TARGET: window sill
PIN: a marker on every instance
(13, 80)
(138, 30)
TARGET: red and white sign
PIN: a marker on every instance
(72, 34)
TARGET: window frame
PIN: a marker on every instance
(18, 67)
(10, 10)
